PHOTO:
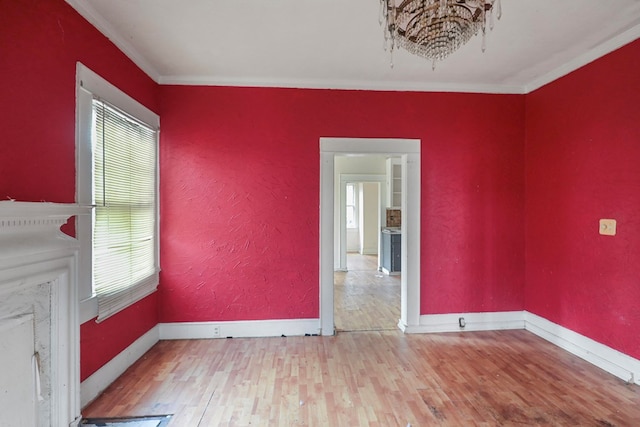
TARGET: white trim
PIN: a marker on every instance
(88, 85)
(107, 29)
(103, 377)
(600, 355)
(88, 307)
(326, 231)
(383, 146)
(97, 20)
(239, 329)
(582, 60)
(519, 89)
(95, 84)
(33, 252)
(604, 357)
(449, 322)
(37, 215)
(409, 151)
(375, 85)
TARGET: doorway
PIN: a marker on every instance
(409, 152)
(353, 235)
(365, 299)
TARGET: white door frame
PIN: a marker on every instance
(409, 151)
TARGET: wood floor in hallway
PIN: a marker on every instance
(365, 299)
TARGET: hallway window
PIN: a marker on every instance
(352, 205)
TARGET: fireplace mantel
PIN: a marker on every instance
(25, 224)
(38, 286)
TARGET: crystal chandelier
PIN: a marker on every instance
(434, 29)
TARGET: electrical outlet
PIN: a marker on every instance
(608, 227)
(461, 322)
(215, 331)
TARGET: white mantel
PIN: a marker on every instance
(39, 315)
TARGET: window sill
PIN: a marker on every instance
(88, 309)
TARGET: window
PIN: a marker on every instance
(352, 205)
(118, 177)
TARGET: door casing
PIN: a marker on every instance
(409, 151)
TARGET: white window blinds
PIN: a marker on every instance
(125, 266)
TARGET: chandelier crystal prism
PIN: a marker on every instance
(434, 29)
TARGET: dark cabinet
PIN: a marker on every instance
(391, 246)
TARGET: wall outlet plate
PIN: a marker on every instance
(608, 227)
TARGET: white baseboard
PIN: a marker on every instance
(103, 377)
(449, 322)
(619, 364)
(600, 355)
(239, 329)
(610, 360)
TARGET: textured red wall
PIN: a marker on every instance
(583, 164)
(40, 42)
(240, 185)
(240, 196)
(101, 342)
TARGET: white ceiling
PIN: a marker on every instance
(339, 43)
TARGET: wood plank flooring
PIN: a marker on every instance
(364, 299)
(370, 378)
(381, 378)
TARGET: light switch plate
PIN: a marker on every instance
(608, 227)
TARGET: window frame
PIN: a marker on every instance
(356, 205)
(90, 85)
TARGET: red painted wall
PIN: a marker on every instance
(583, 164)
(240, 185)
(240, 196)
(101, 342)
(40, 42)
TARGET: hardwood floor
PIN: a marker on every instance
(372, 376)
(381, 378)
(364, 299)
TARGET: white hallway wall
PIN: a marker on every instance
(353, 165)
(369, 218)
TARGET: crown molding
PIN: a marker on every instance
(580, 61)
(91, 15)
(341, 84)
(109, 31)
